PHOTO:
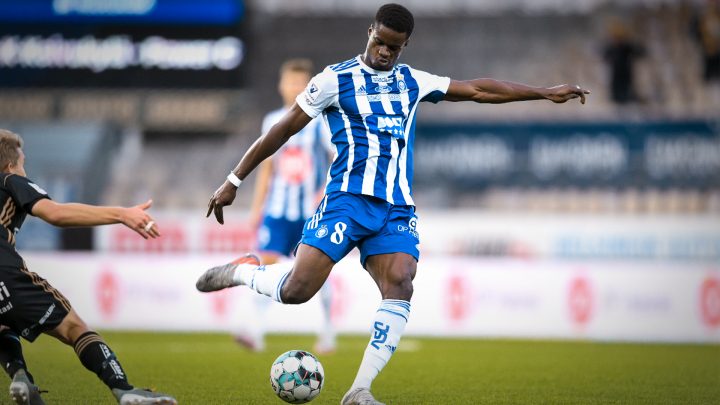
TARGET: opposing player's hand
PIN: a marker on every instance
(137, 219)
(224, 195)
(565, 92)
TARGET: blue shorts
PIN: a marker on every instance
(344, 221)
(279, 235)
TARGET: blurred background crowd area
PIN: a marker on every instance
(160, 98)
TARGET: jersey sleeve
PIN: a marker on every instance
(432, 88)
(24, 192)
(319, 94)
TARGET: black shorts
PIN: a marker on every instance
(29, 305)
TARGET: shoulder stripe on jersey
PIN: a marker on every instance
(345, 65)
(7, 176)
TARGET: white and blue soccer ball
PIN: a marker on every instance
(297, 376)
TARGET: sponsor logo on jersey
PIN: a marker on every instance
(312, 93)
(413, 227)
(4, 293)
(361, 91)
(49, 312)
(391, 125)
(382, 79)
(6, 308)
(383, 89)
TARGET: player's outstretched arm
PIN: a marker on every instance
(293, 121)
(76, 214)
(498, 91)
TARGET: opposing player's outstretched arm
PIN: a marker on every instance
(76, 214)
(498, 91)
(293, 121)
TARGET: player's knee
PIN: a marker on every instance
(71, 328)
(296, 293)
(399, 285)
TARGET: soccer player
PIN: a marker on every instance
(29, 305)
(370, 103)
(287, 190)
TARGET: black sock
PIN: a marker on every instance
(97, 357)
(11, 355)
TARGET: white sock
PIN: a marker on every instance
(327, 334)
(266, 280)
(388, 327)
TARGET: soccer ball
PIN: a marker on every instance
(297, 376)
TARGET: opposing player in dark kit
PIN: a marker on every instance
(29, 305)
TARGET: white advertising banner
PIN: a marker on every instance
(474, 233)
(454, 296)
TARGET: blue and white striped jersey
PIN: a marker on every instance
(299, 170)
(371, 116)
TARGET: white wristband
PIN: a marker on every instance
(235, 180)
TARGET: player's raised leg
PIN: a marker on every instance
(288, 283)
(393, 274)
(97, 357)
(224, 276)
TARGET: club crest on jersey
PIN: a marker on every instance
(321, 232)
(402, 86)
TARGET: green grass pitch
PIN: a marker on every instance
(212, 369)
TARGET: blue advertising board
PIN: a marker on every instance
(153, 12)
(130, 43)
(663, 153)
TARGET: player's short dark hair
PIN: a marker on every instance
(9, 144)
(396, 17)
(301, 65)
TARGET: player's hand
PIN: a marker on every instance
(565, 92)
(223, 196)
(137, 219)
